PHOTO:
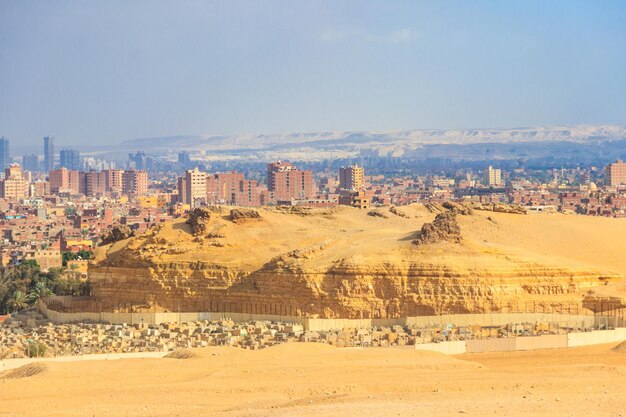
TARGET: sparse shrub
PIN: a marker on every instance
(35, 349)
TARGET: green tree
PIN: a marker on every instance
(17, 301)
(39, 291)
(81, 254)
(32, 264)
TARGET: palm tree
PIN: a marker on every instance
(40, 291)
(17, 301)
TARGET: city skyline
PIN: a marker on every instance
(211, 68)
(316, 208)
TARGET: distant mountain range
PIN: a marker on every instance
(322, 145)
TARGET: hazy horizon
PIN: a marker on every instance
(102, 73)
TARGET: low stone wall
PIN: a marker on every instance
(596, 337)
(501, 319)
(516, 344)
(512, 344)
(157, 318)
(504, 344)
(552, 341)
(492, 319)
(447, 348)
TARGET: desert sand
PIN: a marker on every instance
(319, 380)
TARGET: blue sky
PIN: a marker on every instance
(100, 72)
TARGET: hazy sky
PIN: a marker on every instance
(100, 72)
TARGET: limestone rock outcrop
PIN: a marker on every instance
(377, 213)
(501, 208)
(244, 215)
(198, 220)
(115, 234)
(338, 263)
(443, 228)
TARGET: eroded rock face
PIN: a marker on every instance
(443, 228)
(398, 212)
(243, 215)
(198, 220)
(501, 208)
(377, 213)
(458, 208)
(115, 234)
(348, 265)
(287, 287)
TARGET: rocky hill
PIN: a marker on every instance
(468, 144)
(342, 262)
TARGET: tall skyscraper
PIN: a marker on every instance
(137, 160)
(70, 159)
(5, 159)
(48, 153)
(30, 162)
(184, 160)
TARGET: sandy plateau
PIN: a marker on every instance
(302, 379)
(350, 263)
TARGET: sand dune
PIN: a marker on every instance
(319, 380)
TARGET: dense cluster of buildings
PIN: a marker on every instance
(98, 183)
(62, 204)
(285, 183)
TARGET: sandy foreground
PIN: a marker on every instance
(303, 379)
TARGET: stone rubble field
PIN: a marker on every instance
(90, 338)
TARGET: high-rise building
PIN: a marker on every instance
(286, 182)
(137, 160)
(113, 180)
(351, 177)
(14, 185)
(493, 176)
(182, 190)
(184, 161)
(70, 159)
(250, 194)
(30, 162)
(615, 173)
(195, 187)
(48, 153)
(65, 181)
(135, 182)
(94, 183)
(274, 167)
(39, 188)
(5, 159)
(223, 187)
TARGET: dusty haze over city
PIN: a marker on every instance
(323, 208)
